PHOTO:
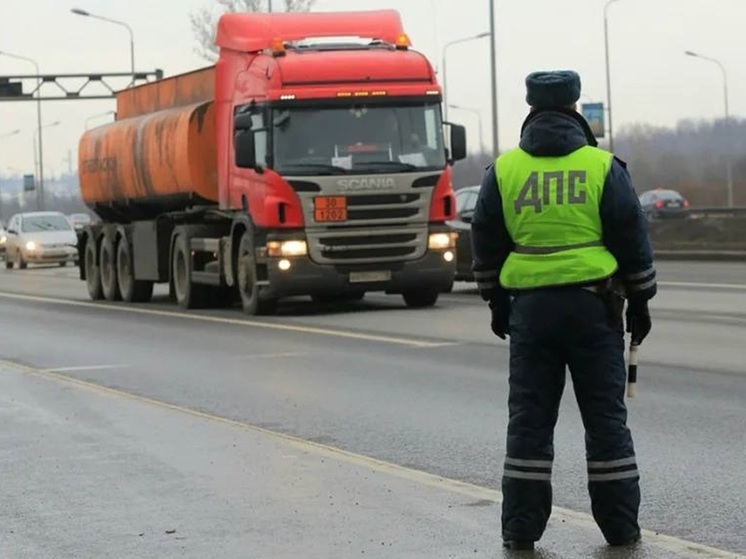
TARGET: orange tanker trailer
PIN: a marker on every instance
(160, 155)
(302, 163)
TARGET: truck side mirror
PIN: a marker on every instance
(458, 142)
(243, 121)
(245, 150)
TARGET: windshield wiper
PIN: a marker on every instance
(396, 164)
(320, 168)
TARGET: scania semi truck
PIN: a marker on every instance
(311, 159)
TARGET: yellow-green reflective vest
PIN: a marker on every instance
(551, 208)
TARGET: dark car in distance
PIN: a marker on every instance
(661, 202)
(466, 201)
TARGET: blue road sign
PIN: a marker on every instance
(595, 115)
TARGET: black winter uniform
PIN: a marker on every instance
(571, 326)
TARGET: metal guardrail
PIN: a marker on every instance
(702, 255)
(707, 211)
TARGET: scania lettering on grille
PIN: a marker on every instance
(367, 183)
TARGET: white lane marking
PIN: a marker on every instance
(669, 543)
(737, 286)
(84, 368)
(271, 356)
(233, 321)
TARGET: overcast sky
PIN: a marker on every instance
(652, 80)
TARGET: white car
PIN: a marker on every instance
(40, 238)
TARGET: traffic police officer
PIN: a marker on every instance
(557, 232)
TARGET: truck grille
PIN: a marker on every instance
(386, 222)
(358, 247)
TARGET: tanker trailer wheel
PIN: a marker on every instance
(92, 271)
(188, 295)
(132, 290)
(108, 261)
(251, 296)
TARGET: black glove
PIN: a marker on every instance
(500, 308)
(638, 320)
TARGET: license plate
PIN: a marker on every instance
(330, 208)
(370, 277)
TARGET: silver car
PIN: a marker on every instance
(40, 238)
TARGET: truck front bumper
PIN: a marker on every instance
(434, 271)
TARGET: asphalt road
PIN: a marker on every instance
(421, 389)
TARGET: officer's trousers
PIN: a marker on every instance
(549, 330)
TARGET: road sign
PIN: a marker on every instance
(594, 114)
(29, 184)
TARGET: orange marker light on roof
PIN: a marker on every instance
(278, 46)
(403, 42)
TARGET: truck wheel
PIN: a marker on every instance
(251, 297)
(92, 272)
(108, 263)
(133, 291)
(188, 295)
(421, 298)
(8, 262)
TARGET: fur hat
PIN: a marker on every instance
(552, 90)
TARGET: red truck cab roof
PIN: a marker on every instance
(300, 58)
(258, 31)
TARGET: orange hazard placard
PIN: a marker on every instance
(330, 208)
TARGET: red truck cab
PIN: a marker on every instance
(310, 160)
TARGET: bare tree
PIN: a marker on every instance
(205, 20)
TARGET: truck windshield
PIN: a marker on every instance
(359, 139)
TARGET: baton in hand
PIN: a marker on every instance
(632, 370)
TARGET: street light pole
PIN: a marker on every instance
(40, 163)
(8, 135)
(445, 52)
(479, 122)
(729, 139)
(40, 199)
(493, 77)
(269, 2)
(608, 73)
(79, 12)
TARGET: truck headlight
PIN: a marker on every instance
(31, 246)
(287, 248)
(3, 238)
(441, 241)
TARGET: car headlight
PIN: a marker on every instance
(287, 248)
(441, 241)
(32, 246)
